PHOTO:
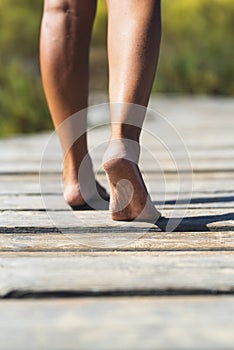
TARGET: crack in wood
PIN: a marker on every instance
(16, 294)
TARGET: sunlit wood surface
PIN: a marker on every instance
(82, 281)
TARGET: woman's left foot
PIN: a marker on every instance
(73, 196)
(81, 189)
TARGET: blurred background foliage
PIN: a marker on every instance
(197, 56)
(197, 53)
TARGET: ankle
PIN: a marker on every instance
(126, 132)
(73, 166)
(122, 149)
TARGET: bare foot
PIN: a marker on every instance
(73, 195)
(81, 189)
(129, 198)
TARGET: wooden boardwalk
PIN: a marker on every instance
(81, 281)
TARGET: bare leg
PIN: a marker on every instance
(134, 32)
(64, 52)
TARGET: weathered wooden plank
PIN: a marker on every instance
(189, 135)
(192, 220)
(161, 165)
(29, 184)
(151, 241)
(116, 272)
(194, 109)
(32, 202)
(152, 132)
(210, 154)
(14, 155)
(167, 201)
(126, 323)
(152, 152)
(206, 182)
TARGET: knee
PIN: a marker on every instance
(85, 9)
(56, 5)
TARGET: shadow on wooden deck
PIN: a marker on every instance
(197, 223)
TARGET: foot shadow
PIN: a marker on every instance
(196, 223)
(97, 205)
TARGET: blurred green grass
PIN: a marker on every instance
(197, 56)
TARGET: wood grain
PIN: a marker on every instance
(44, 241)
(192, 220)
(136, 273)
(123, 285)
(126, 323)
(165, 200)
